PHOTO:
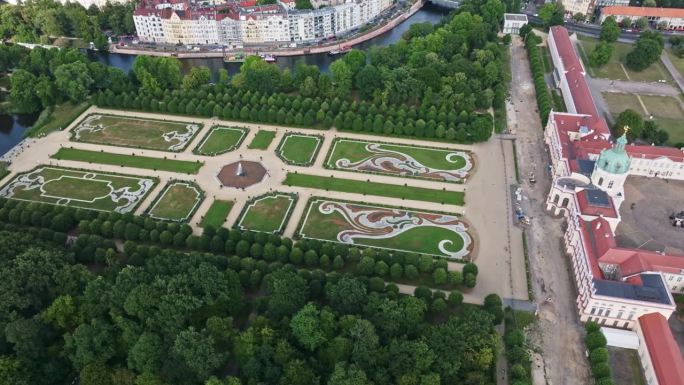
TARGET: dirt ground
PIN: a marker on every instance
(558, 332)
(645, 211)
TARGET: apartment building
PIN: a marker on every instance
(235, 23)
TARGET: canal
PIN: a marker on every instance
(12, 127)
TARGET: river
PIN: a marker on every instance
(12, 128)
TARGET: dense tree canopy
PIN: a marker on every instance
(646, 51)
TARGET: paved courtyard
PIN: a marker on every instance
(645, 211)
(498, 245)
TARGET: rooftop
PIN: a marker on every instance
(652, 289)
(515, 17)
(643, 11)
(666, 357)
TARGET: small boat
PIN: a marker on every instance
(236, 58)
(340, 51)
(268, 58)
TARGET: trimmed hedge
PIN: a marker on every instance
(544, 102)
(598, 354)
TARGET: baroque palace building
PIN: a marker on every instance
(617, 287)
(238, 23)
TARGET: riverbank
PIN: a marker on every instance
(371, 34)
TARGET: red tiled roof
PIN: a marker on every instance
(588, 209)
(565, 49)
(591, 247)
(666, 357)
(643, 11)
(633, 261)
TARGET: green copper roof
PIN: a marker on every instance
(615, 160)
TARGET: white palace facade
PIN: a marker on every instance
(617, 287)
(238, 23)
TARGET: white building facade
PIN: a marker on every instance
(235, 23)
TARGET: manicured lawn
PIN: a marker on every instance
(177, 202)
(372, 188)
(78, 188)
(388, 228)
(267, 214)
(299, 149)
(133, 132)
(262, 140)
(663, 106)
(217, 213)
(613, 70)
(62, 116)
(221, 140)
(676, 60)
(173, 165)
(395, 159)
(618, 102)
(3, 172)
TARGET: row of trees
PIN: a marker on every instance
(544, 102)
(398, 266)
(307, 112)
(610, 31)
(598, 354)
(517, 351)
(38, 21)
(43, 77)
(187, 318)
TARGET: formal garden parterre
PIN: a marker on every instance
(79, 188)
(299, 149)
(389, 228)
(124, 131)
(403, 160)
(267, 213)
(177, 202)
(220, 140)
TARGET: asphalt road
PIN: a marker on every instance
(595, 30)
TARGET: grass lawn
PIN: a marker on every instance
(666, 110)
(618, 102)
(390, 231)
(221, 140)
(613, 70)
(676, 60)
(62, 116)
(262, 140)
(177, 202)
(173, 165)
(134, 132)
(299, 149)
(3, 172)
(217, 213)
(372, 188)
(395, 159)
(79, 188)
(267, 213)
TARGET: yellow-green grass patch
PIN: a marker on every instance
(58, 118)
(373, 188)
(220, 140)
(137, 161)
(79, 188)
(262, 140)
(268, 213)
(135, 132)
(217, 213)
(177, 202)
(299, 149)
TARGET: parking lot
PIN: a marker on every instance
(645, 211)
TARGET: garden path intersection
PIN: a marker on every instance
(497, 250)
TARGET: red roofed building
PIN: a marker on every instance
(664, 18)
(658, 350)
